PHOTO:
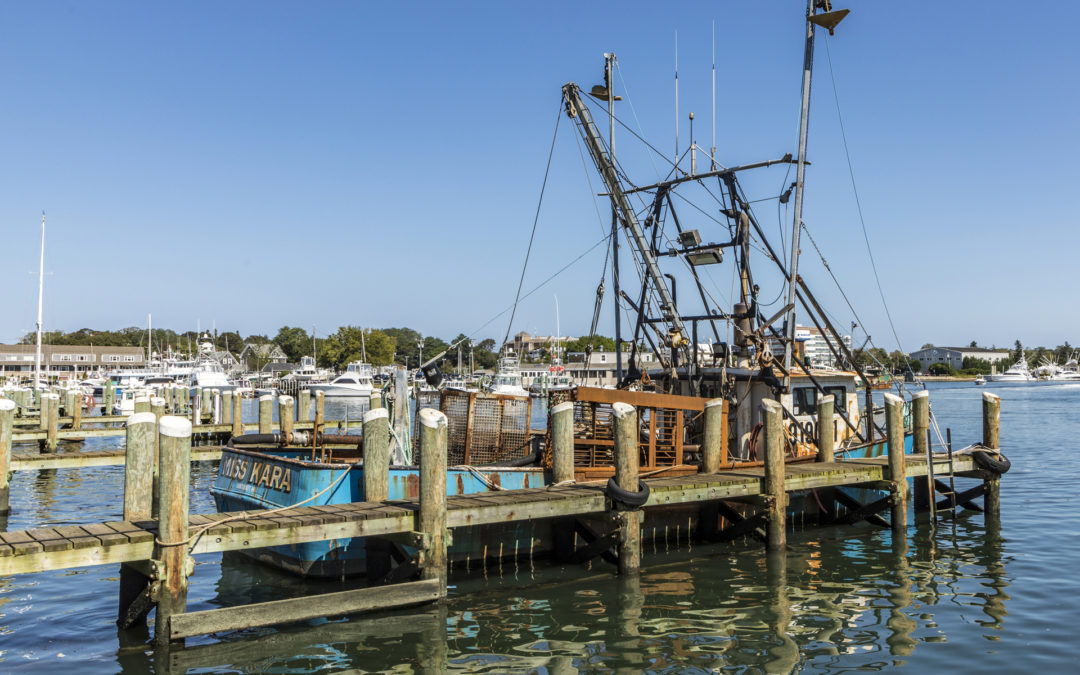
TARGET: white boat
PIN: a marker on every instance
(507, 377)
(980, 380)
(556, 379)
(1018, 372)
(207, 372)
(355, 381)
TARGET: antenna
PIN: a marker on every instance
(676, 99)
(40, 288)
(712, 149)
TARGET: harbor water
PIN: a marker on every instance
(956, 598)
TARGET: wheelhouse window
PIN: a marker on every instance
(804, 400)
(839, 395)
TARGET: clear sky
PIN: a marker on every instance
(257, 164)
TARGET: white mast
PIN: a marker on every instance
(149, 338)
(40, 288)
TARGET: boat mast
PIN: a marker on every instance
(609, 67)
(576, 109)
(40, 288)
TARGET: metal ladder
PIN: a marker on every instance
(932, 464)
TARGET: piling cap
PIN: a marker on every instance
(920, 394)
(431, 418)
(266, 397)
(7, 404)
(623, 409)
(174, 427)
(990, 398)
(141, 418)
(376, 414)
(771, 406)
(157, 400)
(828, 398)
(51, 396)
(142, 397)
(565, 405)
(714, 402)
(284, 399)
(893, 399)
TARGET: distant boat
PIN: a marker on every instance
(355, 381)
(980, 380)
(507, 378)
(207, 372)
(1018, 372)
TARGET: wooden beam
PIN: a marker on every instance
(303, 608)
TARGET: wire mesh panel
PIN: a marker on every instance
(425, 399)
(486, 428)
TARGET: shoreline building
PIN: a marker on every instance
(954, 356)
(68, 361)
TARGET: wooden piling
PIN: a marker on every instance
(196, 408)
(52, 403)
(715, 441)
(7, 424)
(776, 530)
(226, 406)
(562, 442)
(266, 414)
(69, 402)
(320, 412)
(171, 546)
(76, 412)
(207, 406)
(376, 455)
(303, 406)
(285, 417)
(139, 454)
(991, 423)
(142, 404)
(215, 406)
(432, 522)
(375, 400)
(826, 440)
(920, 422)
(238, 415)
(894, 431)
(626, 477)
(109, 398)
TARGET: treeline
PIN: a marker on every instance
(382, 347)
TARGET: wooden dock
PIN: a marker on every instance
(155, 553)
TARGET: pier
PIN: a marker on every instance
(155, 541)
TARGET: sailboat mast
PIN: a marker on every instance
(40, 289)
(609, 76)
(800, 173)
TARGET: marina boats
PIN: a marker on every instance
(1018, 372)
(555, 379)
(207, 372)
(979, 380)
(507, 377)
(750, 358)
(355, 381)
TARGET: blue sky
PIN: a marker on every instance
(379, 164)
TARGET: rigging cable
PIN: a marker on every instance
(858, 204)
(536, 219)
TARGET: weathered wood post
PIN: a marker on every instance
(227, 406)
(196, 408)
(142, 403)
(51, 402)
(207, 405)
(285, 417)
(826, 440)
(774, 475)
(76, 412)
(171, 548)
(139, 490)
(562, 442)
(712, 455)
(108, 398)
(303, 409)
(626, 477)
(215, 406)
(69, 402)
(238, 415)
(320, 411)
(139, 451)
(7, 426)
(922, 491)
(377, 485)
(432, 523)
(158, 408)
(991, 419)
(266, 414)
(375, 400)
(167, 393)
(894, 431)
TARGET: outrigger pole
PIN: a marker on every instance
(576, 109)
(828, 19)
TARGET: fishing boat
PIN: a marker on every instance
(489, 430)
(979, 380)
(507, 377)
(355, 381)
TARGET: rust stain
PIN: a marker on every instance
(496, 479)
(412, 487)
(527, 481)
(460, 484)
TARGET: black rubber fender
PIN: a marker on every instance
(628, 499)
(987, 461)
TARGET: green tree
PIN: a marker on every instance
(484, 355)
(295, 342)
(600, 343)
(940, 369)
(975, 366)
